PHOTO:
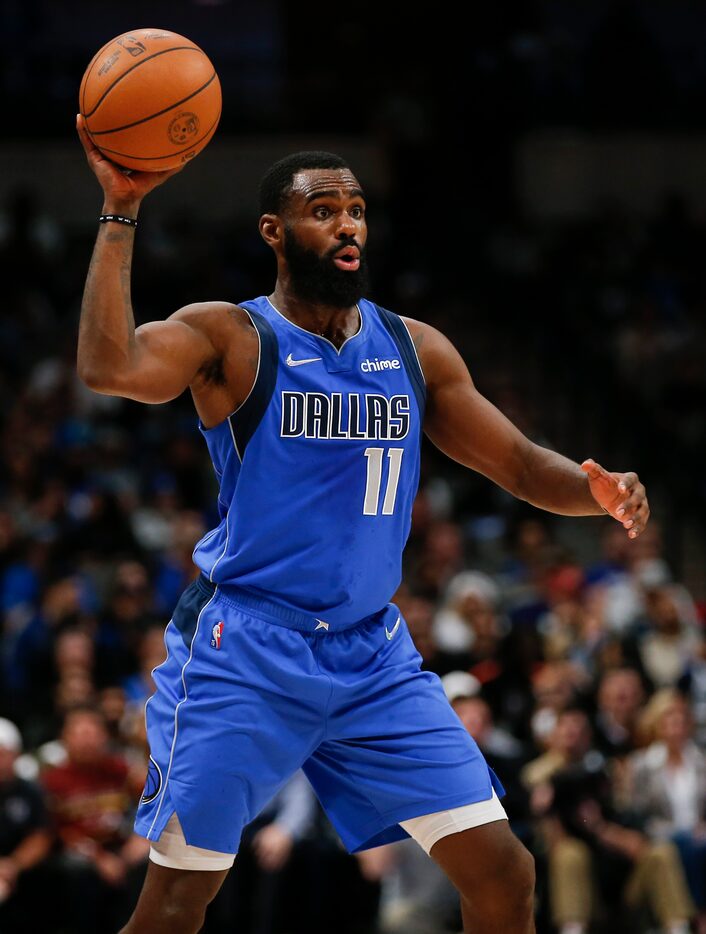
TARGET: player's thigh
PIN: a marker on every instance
(486, 861)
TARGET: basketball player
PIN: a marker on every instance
(286, 652)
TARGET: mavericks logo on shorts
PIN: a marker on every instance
(216, 636)
(153, 782)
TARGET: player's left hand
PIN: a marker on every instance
(621, 495)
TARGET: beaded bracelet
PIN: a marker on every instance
(118, 218)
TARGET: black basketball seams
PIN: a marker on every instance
(174, 48)
(166, 155)
(127, 126)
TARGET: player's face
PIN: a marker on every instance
(324, 237)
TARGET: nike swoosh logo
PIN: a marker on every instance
(290, 361)
(394, 629)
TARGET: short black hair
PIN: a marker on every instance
(278, 179)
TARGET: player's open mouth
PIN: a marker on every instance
(348, 258)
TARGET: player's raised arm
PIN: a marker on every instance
(152, 363)
(468, 428)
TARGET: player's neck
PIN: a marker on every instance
(336, 324)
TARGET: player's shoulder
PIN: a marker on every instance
(438, 357)
(210, 314)
(426, 338)
(220, 322)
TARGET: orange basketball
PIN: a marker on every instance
(151, 99)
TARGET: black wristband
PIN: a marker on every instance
(118, 218)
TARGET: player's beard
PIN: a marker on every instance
(318, 280)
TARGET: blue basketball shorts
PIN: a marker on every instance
(251, 691)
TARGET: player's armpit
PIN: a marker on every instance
(463, 423)
(164, 358)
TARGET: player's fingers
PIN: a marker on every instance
(167, 173)
(637, 523)
(146, 181)
(630, 505)
(628, 481)
(83, 132)
(92, 151)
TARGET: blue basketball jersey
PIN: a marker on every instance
(318, 468)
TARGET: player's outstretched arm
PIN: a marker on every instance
(152, 363)
(468, 428)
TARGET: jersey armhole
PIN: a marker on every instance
(403, 339)
(244, 421)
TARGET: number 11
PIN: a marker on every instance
(372, 487)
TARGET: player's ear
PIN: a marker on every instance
(271, 229)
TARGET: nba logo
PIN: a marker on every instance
(216, 636)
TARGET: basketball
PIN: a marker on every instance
(151, 99)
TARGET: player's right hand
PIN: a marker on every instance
(621, 495)
(123, 190)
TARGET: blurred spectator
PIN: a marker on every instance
(586, 840)
(113, 708)
(530, 550)
(25, 839)
(153, 522)
(568, 744)
(555, 687)
(129, 612)
(104, 532)
(175, 570)
(621, 579)
(29, 650)
(441, 558)
(562, 626)
(620, 696)
(669, 641)
(465, 594)
(151, 652)
(508, 681)
(416, 895)
(693, 685)
(668, 787)
(92, 796)
(474, 634)
(614, 560)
